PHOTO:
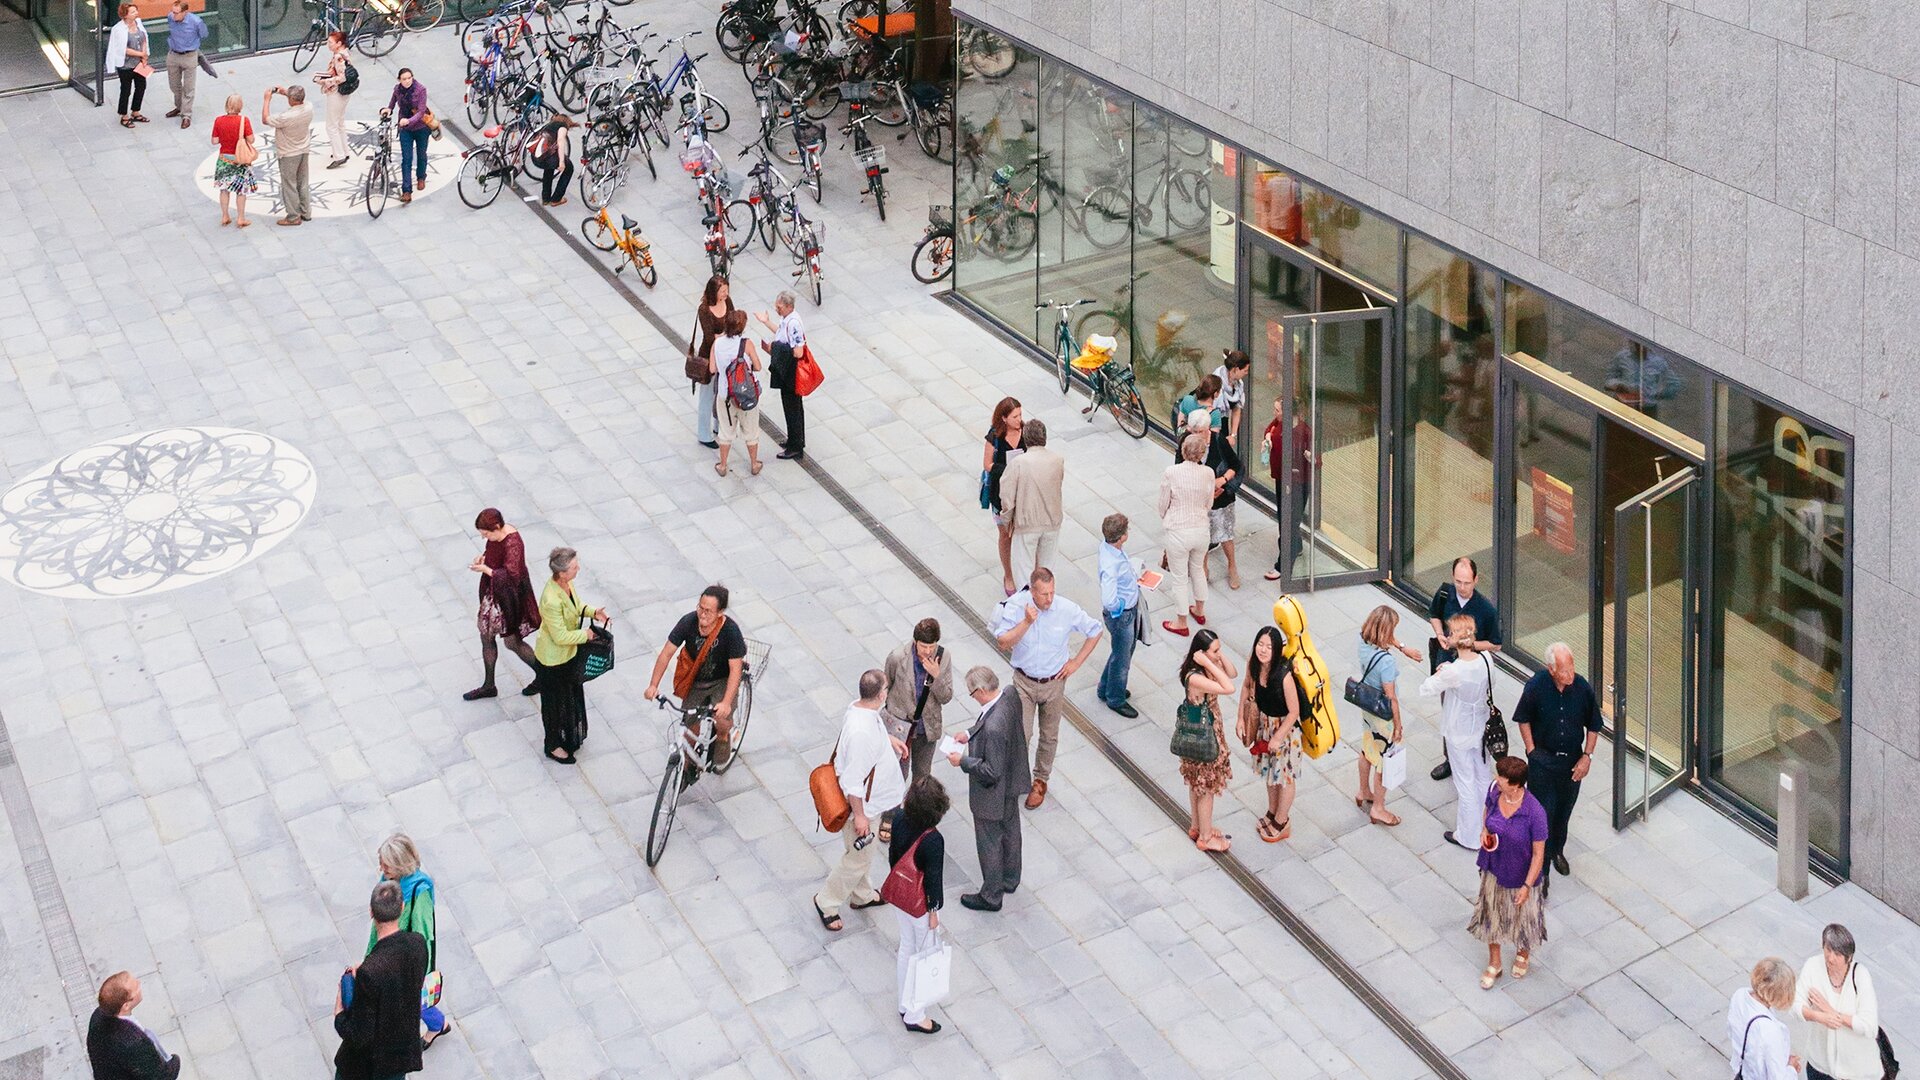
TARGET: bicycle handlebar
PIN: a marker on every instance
(1063, 307)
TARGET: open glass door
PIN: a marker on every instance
(1333, 387)
(1653, 644)
(86, 47)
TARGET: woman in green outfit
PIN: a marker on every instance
(563, 695)
(400, 863)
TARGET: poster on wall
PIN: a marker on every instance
(1553, 511)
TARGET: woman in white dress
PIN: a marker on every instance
(1463, 686)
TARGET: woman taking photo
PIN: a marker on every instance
(716, 307)
(563, 696)
(127, 58)
(1835, 996)
(1513, 849)
(1206, 675)
(1003, 441)
(507, 605)
(916, 836)
(1379, 669)
(1269, 728)
(232, 178)
(1186, 500)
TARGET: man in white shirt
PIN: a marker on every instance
(867, 762)
(1034, 624)
(783, 355)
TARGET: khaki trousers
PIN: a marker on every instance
(183, 71)
(849, 879)
(293, 187)
(1187, 568)
(336, 125)
(1049, 700)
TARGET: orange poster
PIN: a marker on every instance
(1553, 512)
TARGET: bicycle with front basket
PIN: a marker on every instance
(690, 739)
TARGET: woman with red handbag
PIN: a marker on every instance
(916, 853)
(1269, 728)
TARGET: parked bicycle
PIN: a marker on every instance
(625, 238)
(373, 30)
(1064, 347)
(868, 155)
(933, 255)
(1110, 385)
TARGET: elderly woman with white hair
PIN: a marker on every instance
(1758, 1041)
(1187, 490)
(400, 864)
(563, 696)
(783, 358)
(1835, 997)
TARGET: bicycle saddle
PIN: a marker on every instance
(627, 224)
(491, 132)
(710, 220)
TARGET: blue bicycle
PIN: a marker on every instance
(682, 80)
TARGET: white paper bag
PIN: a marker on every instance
(929, 973)
(1393, 766)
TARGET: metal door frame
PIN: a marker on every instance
(1629, 542)
(87, 37)
(1383, 315)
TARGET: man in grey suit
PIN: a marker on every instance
(995, 761)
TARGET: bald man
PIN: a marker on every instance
(1559, 718)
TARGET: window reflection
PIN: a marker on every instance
(1295, 212)
(1666, 389)
(1780, 549)
(1184, 265)
(1002, 182)
(1452, 374)
(1083, 236)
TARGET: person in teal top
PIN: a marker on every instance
(400, 863)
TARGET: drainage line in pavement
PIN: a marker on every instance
(56, 919)
(1238, 871)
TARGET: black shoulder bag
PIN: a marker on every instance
(1493, 741)
(1889, 1065)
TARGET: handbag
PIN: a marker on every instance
(1889, 1065)
(244, 152)
(685, 671)
(432, 985)
(807, 375)
(1367, 696)
(986, 490)
(829, 802)
(699, 368)
(598, 651)
(1493, 741)
(929, 975)
(906, 887)
(1193, 737)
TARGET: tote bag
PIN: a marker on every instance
(929, 975)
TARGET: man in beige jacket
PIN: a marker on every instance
(919, 682)
(1030, 496)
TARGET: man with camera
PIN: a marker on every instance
(292, 135)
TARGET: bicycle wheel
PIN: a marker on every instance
(742, 220)
(597, 233)
(1187, 199)
(1061, 365)
(990, 55)
(479, 106)
(597, 191)
(377, 186)
(930, 131)
(482, 176)
(888, 103)
(665, 805)
(713, 112)
(933, 256)
(424, 15)
(309, 47)
(1107, 217)
(643, 266)
(473, 39)
(571, 88)
(734, 34)
(1127, 408)
(813, 277)
(378, 35)
(742, 712)
(879, 189)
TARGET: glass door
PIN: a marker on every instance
(85, 45)
(1333, 413)
(1652, 644)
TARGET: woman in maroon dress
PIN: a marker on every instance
(508, 607)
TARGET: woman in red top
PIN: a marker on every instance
(231, 177)
(508, 608)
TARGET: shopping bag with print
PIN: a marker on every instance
(1393, 766)
(929, 975)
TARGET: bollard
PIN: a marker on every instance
(1792, 844)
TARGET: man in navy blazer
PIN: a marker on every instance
(117, 1045)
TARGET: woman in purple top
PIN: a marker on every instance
(1513, 847)
(409, 103)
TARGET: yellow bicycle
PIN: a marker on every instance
(624, 238)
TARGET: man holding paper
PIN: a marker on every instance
(994, 757)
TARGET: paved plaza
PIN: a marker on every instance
(208, 769)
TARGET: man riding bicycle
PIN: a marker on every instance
(711, 656)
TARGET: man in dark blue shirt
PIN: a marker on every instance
(1460, 597)
(1559, 718)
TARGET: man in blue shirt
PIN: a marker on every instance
(185, 32)
(1119, 604)
(1034, 625)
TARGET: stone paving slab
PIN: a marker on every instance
(213, 767)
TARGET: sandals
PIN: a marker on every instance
(719, 468)
(1272, 575)
(1489, 977)
(1212, 845)
(1389, 821)
(831, 922)
(1520, 965)
(1269, 830)
(754, 469)
(126, 122)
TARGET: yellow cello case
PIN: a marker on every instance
(1319, 726)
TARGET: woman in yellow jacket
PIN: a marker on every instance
(563, 696)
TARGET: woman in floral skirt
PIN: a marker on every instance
(508, 608)
(234, 180)
(1269, 728)
(1207, 674)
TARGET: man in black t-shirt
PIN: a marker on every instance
(1460, 597)
(713, 679)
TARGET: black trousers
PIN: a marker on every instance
(553, 182)
(1289, 545)
(134, 83)
(793, 409)
(1550, 778)
(563, 704)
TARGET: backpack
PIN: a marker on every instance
(349, 81)
(543, 147)
(743, 390)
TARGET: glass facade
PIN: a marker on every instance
(1492, 419)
